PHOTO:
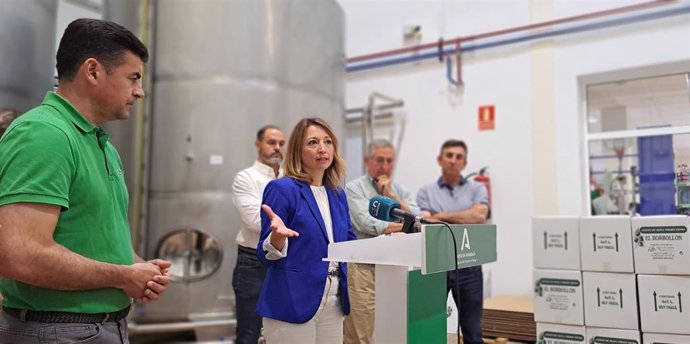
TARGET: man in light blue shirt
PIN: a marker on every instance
(359, 325)
(457, 200)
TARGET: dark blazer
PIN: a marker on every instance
(294, 285)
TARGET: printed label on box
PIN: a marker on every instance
(660, 241)
(556, 241)
(663, 338)
(561, 337)
(548, 333)
(558, 297)
(557, 292)
(668, 302)
(610, 298)
(605, 242)
(612, 340)
(551, 337)
(599, 335)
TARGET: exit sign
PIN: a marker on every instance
(487, 117)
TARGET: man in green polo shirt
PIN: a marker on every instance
(67, 259)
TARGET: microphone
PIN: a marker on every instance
(387, 209)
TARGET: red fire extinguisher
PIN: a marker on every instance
(483, 177)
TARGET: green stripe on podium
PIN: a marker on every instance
(476, 245)
(426, 308)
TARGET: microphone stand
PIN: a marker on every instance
(408, 223)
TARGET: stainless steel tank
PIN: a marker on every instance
(129, 137)
(222, 69)
(27, 52)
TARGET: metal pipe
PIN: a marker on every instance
(449, 72)
(581, 28)
(570, 19)
(368, 125)
(510, 30)
(141, 142)
(393, 105)
(368, 114)
(354, 119)
(458, 68)
(385, 97)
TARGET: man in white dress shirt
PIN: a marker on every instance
(248, 189)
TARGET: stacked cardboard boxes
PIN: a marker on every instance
(626, 284)
(558, 302)
(661, 245)
(610, 288)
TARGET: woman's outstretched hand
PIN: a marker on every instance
(278, 230)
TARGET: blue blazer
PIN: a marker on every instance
(294, 285)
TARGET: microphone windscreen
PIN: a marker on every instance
(380, 207)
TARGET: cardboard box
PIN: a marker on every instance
(606, 244)
(596, 335)
(610, 300)
(661, 244)
(556, 242)
(664, 303)
(663, 338)
(560, 334)
(558, 297)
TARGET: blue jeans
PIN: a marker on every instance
(247, 279)
(13, 330)
(468, 292)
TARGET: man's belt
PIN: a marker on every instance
(65, 317)
(246, 250)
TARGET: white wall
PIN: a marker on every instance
(531, 86)
(644, 47)
(71, 10)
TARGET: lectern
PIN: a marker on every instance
(410, 276)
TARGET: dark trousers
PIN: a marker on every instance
(247, 279)
(468, 292)
(13, 330)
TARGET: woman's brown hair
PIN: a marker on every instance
(334, 174)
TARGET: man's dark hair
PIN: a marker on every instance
(103, 40)
(262, 131)
(453, 143)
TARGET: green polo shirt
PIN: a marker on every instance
(53, 155)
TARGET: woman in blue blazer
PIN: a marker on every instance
(304, 299)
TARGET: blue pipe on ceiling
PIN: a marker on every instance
(472, 47)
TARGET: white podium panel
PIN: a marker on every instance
(411, 276)
(401, 249)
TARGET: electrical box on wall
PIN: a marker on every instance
(412, 35)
